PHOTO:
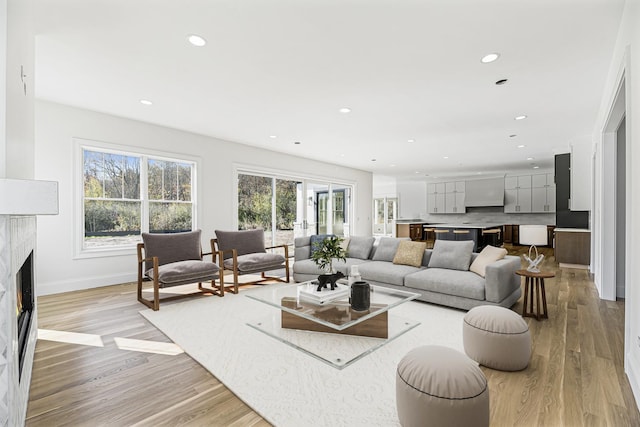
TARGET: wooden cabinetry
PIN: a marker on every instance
(543, 193)
(410, 230)
(512, 234)
(573, 246)
(446, 197)
(517, 194)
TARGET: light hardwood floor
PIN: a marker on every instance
(575, 378)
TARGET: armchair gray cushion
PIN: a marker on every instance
(244, 242)
(182, 272)
(256, 262)
(172, 247)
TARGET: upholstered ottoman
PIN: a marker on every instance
(497, 338)
(439, 386)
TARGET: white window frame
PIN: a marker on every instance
(80, 251)
(240, 168)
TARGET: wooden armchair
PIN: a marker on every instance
(174, 259)
(244, 252)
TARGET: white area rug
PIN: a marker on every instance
(286, 386)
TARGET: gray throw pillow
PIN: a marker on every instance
(172, 247)
(315, 239)
(245, 241)
(454, 255)
(386, 249)
(360, 247)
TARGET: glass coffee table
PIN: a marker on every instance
(332, 331)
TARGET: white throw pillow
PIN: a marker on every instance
(488, 255)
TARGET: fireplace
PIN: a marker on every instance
(20, 202)
(24, 307)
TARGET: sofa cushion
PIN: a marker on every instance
(386, 249)
(172, 247)
(488, 255)
(244, 242)
(410, 253)
(385, 272)
(255, 262)
(454, 255)
(445, 281)
(360, 247)
(344, 267)
(183, 271)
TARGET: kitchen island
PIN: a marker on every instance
(482, 234)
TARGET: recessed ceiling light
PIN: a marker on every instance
(417, 172)
(520, 117)
(490, 58)
(445, 157)
(512, 135)
(196, 40)
(342, 155)
(536, 167)
(501, 82)
(411, 140)
(297, 142)
(272, 136)
(145, 102)
(521, 146)
(392, 166)
(345, 110)
(373, 160)
(529, 158)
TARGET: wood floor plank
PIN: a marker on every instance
(575, 376)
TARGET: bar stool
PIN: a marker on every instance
(429, 236)
(440, 234)
(462, 234)
(491, 237)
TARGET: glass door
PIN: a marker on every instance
(384, 216)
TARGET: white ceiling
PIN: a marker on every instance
(408, 70)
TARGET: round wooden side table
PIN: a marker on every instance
(534, 284)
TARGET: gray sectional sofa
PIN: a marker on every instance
(454, 287)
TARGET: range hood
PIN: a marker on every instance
(484, 192)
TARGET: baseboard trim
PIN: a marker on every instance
(633, 374)
(61, 286)
(580, 266)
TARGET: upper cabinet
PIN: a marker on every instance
(517, 194)
(543, 193)
(529, 194)
(445, 197)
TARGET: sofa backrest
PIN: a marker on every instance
(359, 247)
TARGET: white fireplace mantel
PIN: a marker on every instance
(28, 197)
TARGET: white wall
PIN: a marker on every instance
(16, 122)
(625, 59)
(412, 199)
(384, 186)
(581, 153)
(57, 125)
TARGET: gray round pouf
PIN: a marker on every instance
(497, 338)
(439, 386)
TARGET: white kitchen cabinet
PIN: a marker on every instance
(517, 194)
(445, 197)
(454, 197)
(543, 193)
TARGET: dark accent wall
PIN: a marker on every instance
(566, 218)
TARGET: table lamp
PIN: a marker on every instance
(533, 235)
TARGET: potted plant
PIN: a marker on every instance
(324, 253)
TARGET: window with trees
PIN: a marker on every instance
(126, 194)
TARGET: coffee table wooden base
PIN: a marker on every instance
(376, 327)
